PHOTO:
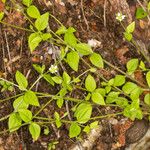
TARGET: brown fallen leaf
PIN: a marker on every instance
(120, 54)
(121, 130)
(61, 6)
(143, 24)
(1, 6)
(139, 76)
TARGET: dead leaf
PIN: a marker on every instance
(139, 76)
(120, 54)
(1, 6)
(143, 24)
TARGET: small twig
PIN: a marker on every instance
(86, 22)
(27, 75)
(21, 46)
(3, 50)
(104, 13)
(68, 112)
(7, 45)
(14, 26)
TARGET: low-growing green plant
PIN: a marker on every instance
(122, 91)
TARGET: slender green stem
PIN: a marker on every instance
(10, 82)
(4, 118)
(122, 72)
(79, 87)
(106, 116)
(123, 26)
(80, 75)
(43, 118)
(53, 120)
(56, 20)
(54, 97)
(36, 82)
(14, 26)
(8, 98)
(43, 107)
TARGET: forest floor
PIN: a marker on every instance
(92, 19)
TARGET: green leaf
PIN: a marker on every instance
(147, 99)
(63, 52)
(33, 41)
(83, 49)
(60, 102)
(71, 30)
(1, 15)
(21, 80)
(83, 112)
(35, 130)
(14, 122)
(19, 103)
(133, 111)
(140, 13)
(93, 70)
(148, 6)
(122, 102)
(87, 129)
(33, 11)
(128, 36)
(119, 80)
(66, 78)
(90, 83)
(108, 89)
(76, 80)
(73, 60)
(70, 39)
(46, 131)
(42, 22)
(39, 69)
(74, 130)
(112, 97)
(111, 82)
(27, 2)
(94, 125)
(97, 60)
(101, 91)
(31, 98)
(142, 66)
(49, 79)
(25, 114)
(131, 27)
(132, 65)
(148, 78)
(135, 93)
(63, 92)
(58, 123)
(61, 30)
(57, 79)
(57, 120)
(6, 86)
(98, 98)
(46, 36)
(88, 97)
(129, 87)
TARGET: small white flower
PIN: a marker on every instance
(53, 69)
(120, 16)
